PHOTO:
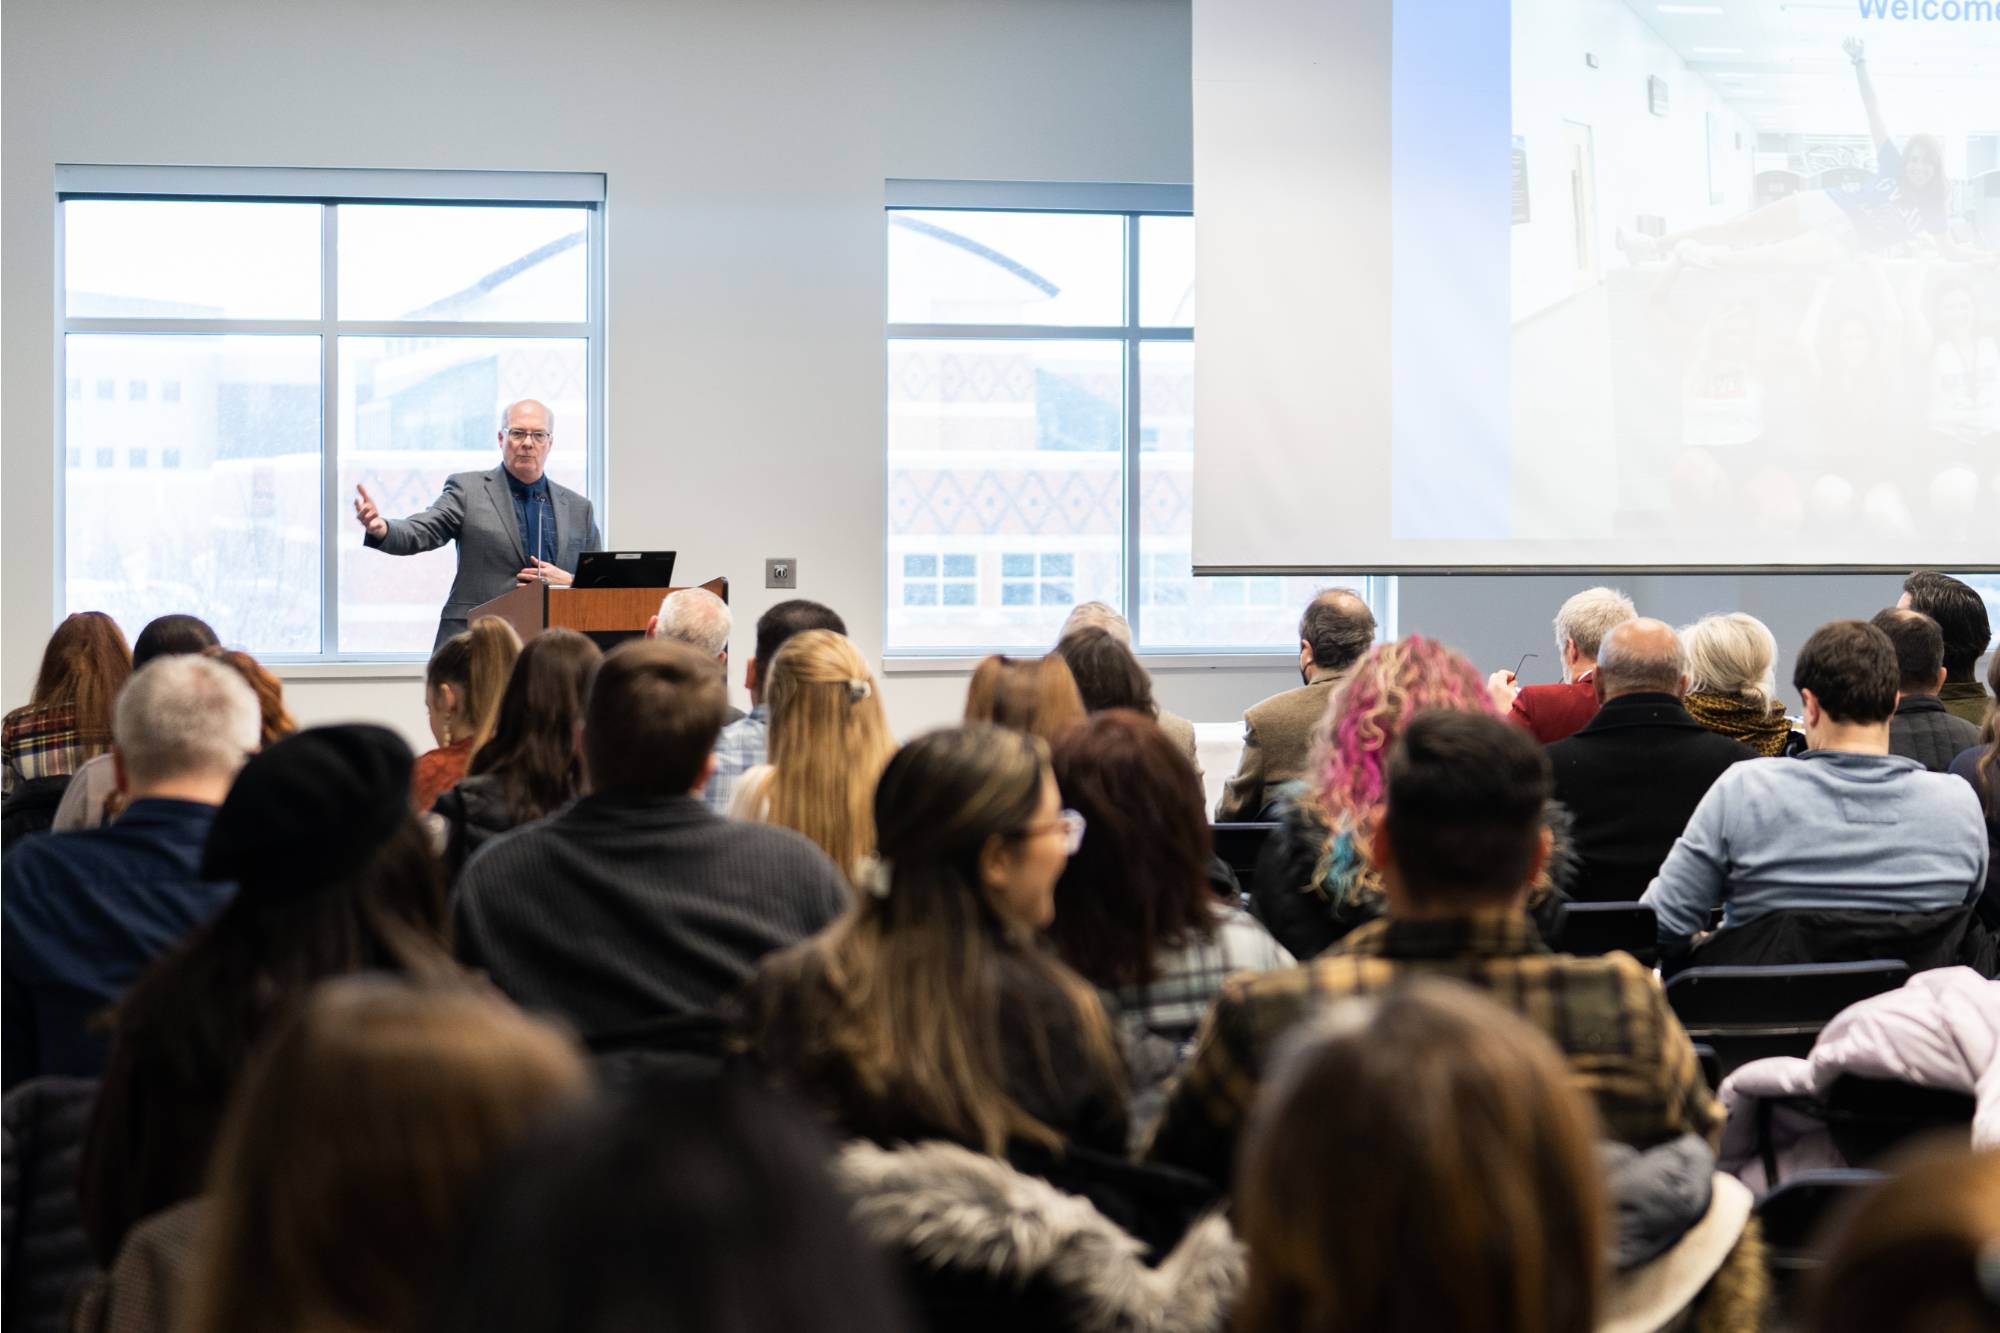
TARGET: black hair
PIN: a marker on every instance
(1919, 645)
(1850, 666)
(1465, 799)
(1960, 613)
(1339, 626)
(172, 636)
(784, 620)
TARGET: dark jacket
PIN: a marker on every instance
(1967, 766)
(48, 1262)
(475, 812)
(1924, 731)
(1953, 937)
(1630, 778)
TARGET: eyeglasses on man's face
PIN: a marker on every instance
(516, 435)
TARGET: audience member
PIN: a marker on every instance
(1635, 772)
(91, 799)
(1961, 615)
(930, 1011)
(1315, 881)
(1980, 766)
(462, 688)
(1134, 912)
(351, 1155)
(1421, 1161)
(67, 719)
(529, 766)
(1846, 826)
(1035, 695)
(1916, 1253)
(699, 619)
(637, 904)
(1920, 728)
(829, 741)
(87, 912)
(274, 720)
(744, 744)
(1552, 712)
(1100, 615)
(333, 876)
(722, 1177)
(1460, 840)
(1336, 629)
(1733, 683)
(1106, 673)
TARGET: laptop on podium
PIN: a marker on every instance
(625, 569)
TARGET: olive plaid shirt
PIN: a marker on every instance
(1608, 1015)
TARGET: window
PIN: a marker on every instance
(284, 336)
(1041, 424)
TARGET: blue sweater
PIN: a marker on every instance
(1828, 830)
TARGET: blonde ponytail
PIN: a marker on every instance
(477, 664)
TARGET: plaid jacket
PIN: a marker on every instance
(1190, 977)
(1609, 1016)
(43, 742)
(742, 746)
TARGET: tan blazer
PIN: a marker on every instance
(1181, 732)
(1277, 744)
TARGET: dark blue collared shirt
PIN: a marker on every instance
(534, 509)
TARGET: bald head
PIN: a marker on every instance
(1335, 631)
(527, 433)
(1642, 656)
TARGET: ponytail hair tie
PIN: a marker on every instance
(857, 690)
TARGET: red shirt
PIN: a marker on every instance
(437, 772)
(1553, 712)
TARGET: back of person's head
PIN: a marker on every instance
(829, 740)
(1917, 1253)
(1989, 736)
(1960, 613)
(1851, 669)
(1590, 615)
(650, 718)
(1641, 656)
(787, 618)
(184, 717)
(354, 1146)
(533, 752)
(1919, 645)
(1734, 656)
(1097, 615)
(1393, 682)
(698, 618)
(165, 636)
(1036, 695)
(476, 665)
(84, 665)
(1421, 1161)
(1138, 885)
(1338, 627)
(1464, 820)
(726, 1179)
(275, 721)
(1106, 673)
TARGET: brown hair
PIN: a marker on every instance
(476, 664)
(275, 722)
(85, 665)
(1106, 673)
(532, 751)
(1916, 1252)
(1989, 763)
(1421, 1161)
(1037, 695)
(1139, 884)
(829, 743)
(650, 717)
(1850, 666)
(350, 1151)
(906, 1001)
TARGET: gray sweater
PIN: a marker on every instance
(1828, 830)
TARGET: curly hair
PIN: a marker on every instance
(1366, 715)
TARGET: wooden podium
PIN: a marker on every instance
(607, 615)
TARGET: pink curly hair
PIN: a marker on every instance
(1367, 713)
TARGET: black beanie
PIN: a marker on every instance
(310, 809)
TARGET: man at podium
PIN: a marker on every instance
(512, 524)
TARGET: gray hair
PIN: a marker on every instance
(1589, 616)
(185, 716)
(1733, 655)
(1626, 666)
(698, 618)
(1097, 615)
(507, 414)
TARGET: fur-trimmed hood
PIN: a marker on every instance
(946, 1207)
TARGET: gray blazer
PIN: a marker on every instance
(477, 512)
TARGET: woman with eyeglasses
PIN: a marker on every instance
(931, 1010)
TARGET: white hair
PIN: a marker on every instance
(185, 716)
(1590, 615)
(1733, 655)
(507, 414)
(1624, 665)
(1097, 615)
(698, 618)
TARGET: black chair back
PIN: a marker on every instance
(1869, 1118)
(31, 808)
(1793, 1216)
(1591, 929)
(1238, 844)
(1748, 1013)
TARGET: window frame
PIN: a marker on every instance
(330, 188)
(1133, 203)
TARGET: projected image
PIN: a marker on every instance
(1756, 274)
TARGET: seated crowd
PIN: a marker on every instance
(622, 1008)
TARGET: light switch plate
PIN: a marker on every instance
(781, 572)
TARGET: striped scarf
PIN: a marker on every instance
(1764, 732)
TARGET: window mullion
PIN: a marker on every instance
(329, 435)
(1130, 519)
